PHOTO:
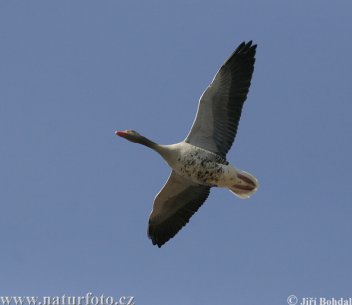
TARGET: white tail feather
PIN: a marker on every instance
(245, 186)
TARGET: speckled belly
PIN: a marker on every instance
(202, 171)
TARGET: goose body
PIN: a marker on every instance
(194, 163)
(199, 162)
(200, 166)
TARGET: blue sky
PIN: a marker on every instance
(75, 199)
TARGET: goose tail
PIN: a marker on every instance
(245, 186)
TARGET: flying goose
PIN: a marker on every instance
(199, 162)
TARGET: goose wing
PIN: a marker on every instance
(220, 106)
(174, 205)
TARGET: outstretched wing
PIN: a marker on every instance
(174, 205)
(220, 106)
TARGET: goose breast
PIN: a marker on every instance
(199, 165)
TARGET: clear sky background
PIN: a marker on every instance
(75, 199)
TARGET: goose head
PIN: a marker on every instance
(135, 137)
(130, 135)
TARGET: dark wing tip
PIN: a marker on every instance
(161, 232)
(160, 237)
(246, 46)
(244, 49)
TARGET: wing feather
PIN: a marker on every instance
(173, 207)
(220, 106)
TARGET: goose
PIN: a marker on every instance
(199, 162)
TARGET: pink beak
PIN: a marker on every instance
(121, 133)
